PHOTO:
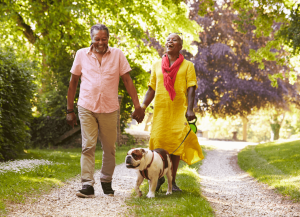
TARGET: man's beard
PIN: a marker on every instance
(99, 51)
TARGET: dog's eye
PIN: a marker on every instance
(133, 155)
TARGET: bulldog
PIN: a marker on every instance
(151, 165)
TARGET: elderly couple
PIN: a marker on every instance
(172, 84)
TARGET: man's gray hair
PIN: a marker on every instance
(99, 26)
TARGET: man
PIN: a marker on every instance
(99, 67)
(173, 83)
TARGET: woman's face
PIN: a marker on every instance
(173, 44)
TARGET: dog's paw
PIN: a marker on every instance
(139, 194)
(169, 192)
(150, 195)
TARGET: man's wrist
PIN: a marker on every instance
(70, 111)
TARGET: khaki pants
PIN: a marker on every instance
(106, 125)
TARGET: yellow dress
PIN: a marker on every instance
(170, 126)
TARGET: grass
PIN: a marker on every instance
(187, 203)
(276, 164)
(17, 187)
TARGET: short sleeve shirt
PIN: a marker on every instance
(99, 83)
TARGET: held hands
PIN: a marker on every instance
(138, 114)
(71, 119)
(190, 115)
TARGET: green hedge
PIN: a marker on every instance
(16, 91)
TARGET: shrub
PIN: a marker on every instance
(16, 91)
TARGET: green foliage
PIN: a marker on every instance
(188, 203)
(140, 79)
(291, 33)
(276, 19)
(52, 32)
(16, 92)
(18, 187)
(276, 164)
(45, 129)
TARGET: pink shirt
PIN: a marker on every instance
(99, 84)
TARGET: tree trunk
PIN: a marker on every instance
(245, 125)
(275, 131)
(276, 125)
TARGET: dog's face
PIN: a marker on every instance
(135, 157)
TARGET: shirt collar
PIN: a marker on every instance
(89, 49)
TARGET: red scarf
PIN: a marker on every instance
(169, 78)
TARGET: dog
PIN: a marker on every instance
(151, 165)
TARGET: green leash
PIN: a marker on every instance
(192, 127)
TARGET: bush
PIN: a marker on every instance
(16, 91)
(45, 129)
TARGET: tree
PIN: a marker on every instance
(267, 13)
(230, 84)
(51, 32)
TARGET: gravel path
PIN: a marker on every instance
(63, 201)
(232, 192)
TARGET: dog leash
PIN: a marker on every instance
(183, 140)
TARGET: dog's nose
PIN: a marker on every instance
(128, 159)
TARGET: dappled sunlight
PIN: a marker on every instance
(39, 180)
(74, 156)
(295, 180)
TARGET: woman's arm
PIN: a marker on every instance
(150, 94)
(190, 115)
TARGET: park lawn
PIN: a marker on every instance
(18, 187)
(276, 164)
(189, 202)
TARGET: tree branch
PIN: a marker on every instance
(27, 30)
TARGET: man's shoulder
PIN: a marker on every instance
(115, 50)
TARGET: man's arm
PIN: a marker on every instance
(133, 94)
(190, 115)
(71, 117)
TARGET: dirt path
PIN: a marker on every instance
(232, 192)
(63, 201)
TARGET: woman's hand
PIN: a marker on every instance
(190, 115)
(138, 114)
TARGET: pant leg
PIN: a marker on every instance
(108, 136)
(89, 132)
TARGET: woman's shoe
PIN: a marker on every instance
(159, 183)
(175, 187)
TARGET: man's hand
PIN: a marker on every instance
(71, 119)
(138, 114)
(190, 115)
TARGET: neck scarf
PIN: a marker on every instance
(169, 78)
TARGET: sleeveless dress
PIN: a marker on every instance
(170, 126)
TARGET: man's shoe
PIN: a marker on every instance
(86, 191)
(106, 186)
(159, 183)
(175, 187)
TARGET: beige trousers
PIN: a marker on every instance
(106, 125)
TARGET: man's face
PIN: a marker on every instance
(100, 41)
(173, 44)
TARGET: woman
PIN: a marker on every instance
(173, 83)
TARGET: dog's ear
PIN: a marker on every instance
(143, 151)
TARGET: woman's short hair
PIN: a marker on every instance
(99, 26)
